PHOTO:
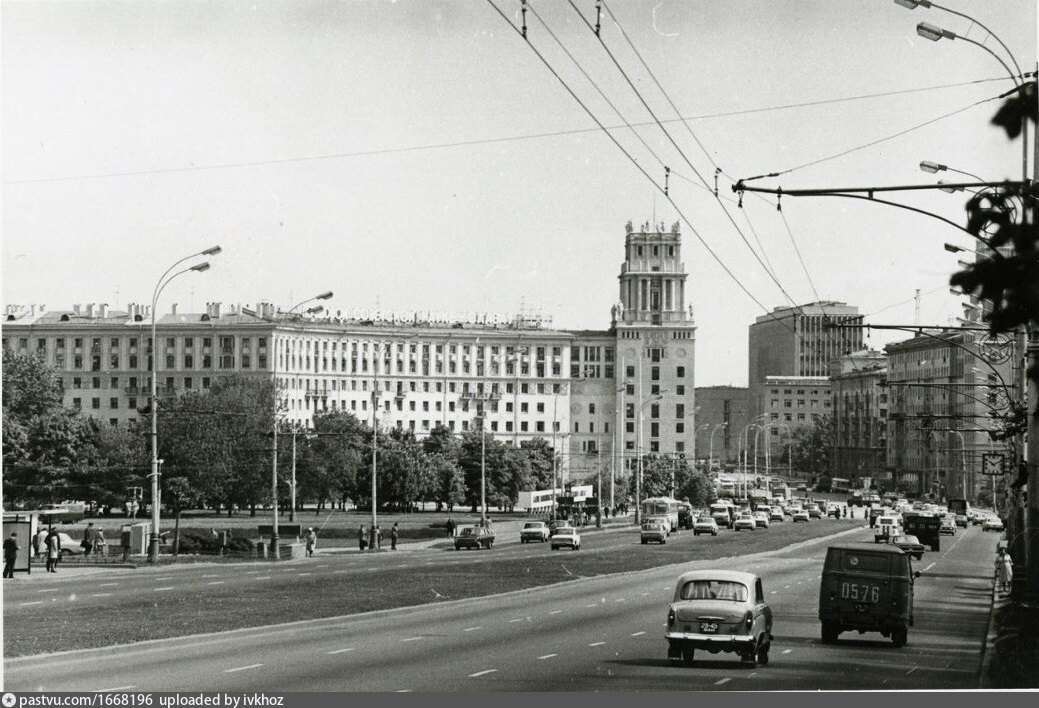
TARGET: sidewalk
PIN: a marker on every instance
(1012, 646)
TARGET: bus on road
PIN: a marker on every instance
(662, 506)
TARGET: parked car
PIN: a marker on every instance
(566, 536)
(868, 588)
(475, 537)
(719, 610)
(705, 524)
(654, 529)
(534, 531)
(744, 521)
(801, 515)
(761, 519)
(910, 545)
(69, 547)
(948, 527)
(992, 523)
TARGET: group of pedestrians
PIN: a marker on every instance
(367, 539)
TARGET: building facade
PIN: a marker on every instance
(859, 390)
(721, 413)
(599, 397)
(791, 402)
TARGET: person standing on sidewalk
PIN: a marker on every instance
(394, 535)
(52, 547)
(1004, 570)
(362, 537)
(10, 554)
(310, 538)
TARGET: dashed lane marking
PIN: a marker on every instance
(929, 567)
(302, 574)
(340, 651)
(620, 599)
(263, 577)
(216, 582)
(596, 644)
(637, 634)
(242, 668)
(324, 565)
(411, 639)
(102, 594)
(252, 572)
(211, 575)
(644, 594)
(912, 670)
(37, 602)
(50, 590)
(787, 651)
(107, 585)
(773, 592)
(471, 629)
(116, 688)
(556, 612)
(594, 604)
(483, 673)
(167, 588)
(547, 656)
(723, 681)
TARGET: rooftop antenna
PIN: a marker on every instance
(916, 311)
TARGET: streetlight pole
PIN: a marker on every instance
(275, 538)
(710, 456)
(160, 285)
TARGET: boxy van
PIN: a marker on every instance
(868, 588)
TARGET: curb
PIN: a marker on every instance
(991, 635)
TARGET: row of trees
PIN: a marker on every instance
(216, 447)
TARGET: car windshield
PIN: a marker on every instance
(534, 525)
(705, 520)
(467, 531)
(714, 590)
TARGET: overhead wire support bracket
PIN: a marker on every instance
(598, 16)
(667, 178)
(523, 10)
(717, 171)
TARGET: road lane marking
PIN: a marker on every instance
(169, 588)
(324, 565)
(773, 592)
(723, 681)
(411, 639)
(483, 673)
(929, 567)
(50, 590)
(252, 572)
(471, 629)
(302, 574)
(340, 651)
(211, 575)
(594, 604)
(638, 634)
(596, 644)
(263, 577)
(518, 619)
(556, 612)
(787, 651)
(165, 577)
(102, 594)
(117, 688)
(786, 587)
(37, 602)
(216, 582)
(644, 594)
(107, 585)
(340, 571)
(547, 656)
(620, 599)
(242, 668)
(912, 670)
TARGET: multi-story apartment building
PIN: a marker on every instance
(721, 414)
(858, 385)
(791, 402)
(588, 392)
(946, 391)
(797, 341)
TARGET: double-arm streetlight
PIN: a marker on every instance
(275, 555)
(641, 453)
(164, 280)
(710, 455)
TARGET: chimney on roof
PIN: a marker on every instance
(90, 310)
(213, 310)
(173, 309)
(102, 310)
(75, 309)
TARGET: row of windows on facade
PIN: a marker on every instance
(425, 368)
(95, 360)
(813, 403)
(293, 345)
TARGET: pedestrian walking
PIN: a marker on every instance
(377, 541)
(450, 527)
(394, 535)
(1004, 570)
(88, 539)
(52, 547)
(362, 537)
(100, 548)
(310, 538)
(10, 554)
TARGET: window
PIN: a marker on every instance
(113, 402)
(95, 403)
(679, 427)
(629, 371)
(77, 403)
(654, 373)
(591, 409)
(654, 410)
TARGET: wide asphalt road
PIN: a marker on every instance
(603, 633)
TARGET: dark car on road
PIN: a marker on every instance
(475, 537)
(910, 545)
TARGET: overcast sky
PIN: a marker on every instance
(396, 153)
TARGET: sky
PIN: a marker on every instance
(418, 155)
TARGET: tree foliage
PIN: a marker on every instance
(813, 446)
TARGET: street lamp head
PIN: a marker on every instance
(933, 32)
(211, 251)
(932, 167)
(324, 296)
(913, 4)
(952, 248)
(315, 309)
(947, 188)
(201, 267)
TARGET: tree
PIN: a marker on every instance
(813, 446)
(539, 456)
(334, 456)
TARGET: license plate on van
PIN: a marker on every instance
(860, 592)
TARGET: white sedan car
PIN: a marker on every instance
(744, 522)
(992, 523)
(565, 536)
(801, 515)
(705, 524)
